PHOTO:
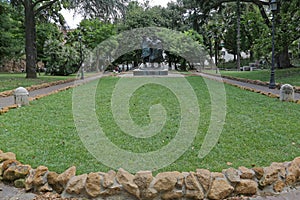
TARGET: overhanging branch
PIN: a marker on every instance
(44, 6)
(259, 3)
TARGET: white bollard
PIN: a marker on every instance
(287, 93)
(21, 96)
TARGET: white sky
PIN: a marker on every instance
(73, 21)
(158, 2)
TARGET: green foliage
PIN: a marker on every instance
(94, 32)
(255, 28)
(45, 10)
(194, 35)
(12, 33)
(287, 23)
(105, 10)
(139, 15)
(62, 59)
(46, 31)
(256, 33)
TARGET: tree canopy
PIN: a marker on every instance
(37, 29)
(49, 9)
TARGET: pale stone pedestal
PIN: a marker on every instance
(151, 69)
(21, 96)
(287, 93)
(149, 72)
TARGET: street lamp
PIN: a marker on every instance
(273, 7)
(80, 49)
(216, 51)
(223, 56)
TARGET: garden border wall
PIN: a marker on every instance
(202, 184)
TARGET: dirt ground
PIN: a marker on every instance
(8, 192)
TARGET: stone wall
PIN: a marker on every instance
(201, 184)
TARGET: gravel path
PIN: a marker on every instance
(11, 193)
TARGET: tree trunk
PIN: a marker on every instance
(30, 48)
(238, 61)
(251, 55)
(283, 59)
(216, 52)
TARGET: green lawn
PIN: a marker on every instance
(258, 130)
(10, 81)
(291, 76)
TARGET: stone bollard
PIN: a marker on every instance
(286, 93)
(21, 96)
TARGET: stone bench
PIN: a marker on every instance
(246, 68)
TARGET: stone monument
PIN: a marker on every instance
(152, 58)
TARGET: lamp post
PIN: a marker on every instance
(273, 7)
(216, 51)
(80, 49)
(223, 57)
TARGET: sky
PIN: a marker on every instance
(73, 21)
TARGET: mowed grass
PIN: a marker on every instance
(283, 76)
(10, 81)
(258, 129)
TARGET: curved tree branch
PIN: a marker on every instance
(44, 6)
(259, 3)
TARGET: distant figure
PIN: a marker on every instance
(116, 70)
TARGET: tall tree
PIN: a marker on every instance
(12, 37)
(105, 9)
(287, 22)
(32, 9)
(238, 34)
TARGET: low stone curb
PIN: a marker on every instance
(37, 87)
(202, 184)
(6, 109)
(255, 82)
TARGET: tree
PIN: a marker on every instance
(287, 22)
(254, 31)
(94, 32)
(61, 59)
(104, 9)
(251, 26)
(32, 9)
(238, 35)
(11, 28)
(142, 16)
(46, 31)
